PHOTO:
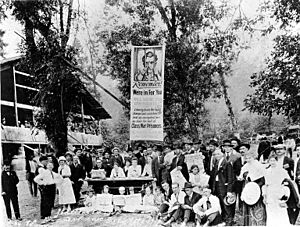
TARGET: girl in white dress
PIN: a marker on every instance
(65, 189)
(276, 210)
(198, 179)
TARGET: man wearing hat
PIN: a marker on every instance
(209, 161)
(9, 181)
(190, 200)
(116, 157)
(179, 162)
(199, 147)
(157, 166)
(234, 158)
(221, 182)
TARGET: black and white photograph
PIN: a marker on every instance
(145, 113)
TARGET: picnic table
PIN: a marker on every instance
(115, 183)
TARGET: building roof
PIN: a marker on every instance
(90, 105)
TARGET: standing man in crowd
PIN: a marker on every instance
(46, 180)
(221, 183)
(9, 181)
(179, 162)
(209, 161)
(234, 159)
(77, 176)
(31, 166)
(157, 166)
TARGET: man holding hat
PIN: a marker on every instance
(221, 183)
(190, 200)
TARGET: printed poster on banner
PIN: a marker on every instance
(147, 89)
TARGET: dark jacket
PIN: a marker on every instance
(237, 166)
(106, 164)
(293, 200)
(193, 201)
(180, 161)
(9, 183)
(77, 172)
(226, 178)
(290, 169)
(157, 167)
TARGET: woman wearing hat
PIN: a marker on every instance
(252, 175)
(276, 209)
(66, 193)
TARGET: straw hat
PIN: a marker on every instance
(62, 158)
(229, 200)
(251, 193)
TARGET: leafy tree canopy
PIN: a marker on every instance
(198, 51)
(277, 86)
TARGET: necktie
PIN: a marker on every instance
(208, 204)
(227, 157)
(52, 174)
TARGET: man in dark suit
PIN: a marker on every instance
(190, 200)
(106, 163)
(116, 157)
(264, 149)
(221, 183)
(179, 161)
(209, 161)
(293, 201)
(234, 158)
(288, 164)
(77, 176)
(9, 182)
(157, 166)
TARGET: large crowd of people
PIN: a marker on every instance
(233, 179)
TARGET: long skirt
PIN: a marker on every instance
(254, 215)
(66, 193)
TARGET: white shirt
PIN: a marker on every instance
(201, 205)
(119, 173)
(134, 171)
(219, 165)
(147, 170)
(47, 177)
(280, 161)
(177, 198)
(33, 166)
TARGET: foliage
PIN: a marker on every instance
(197, 52)
(3, 7)
(277, 86)
(46, 52)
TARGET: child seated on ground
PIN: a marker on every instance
(158, 196)
(89, 203)
(133, 201)
(148, 201)
(104, 201)
(119, 201)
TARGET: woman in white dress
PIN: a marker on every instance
(276, 209)
(65, 190)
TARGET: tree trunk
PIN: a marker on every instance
(193, 127)
(228, 102)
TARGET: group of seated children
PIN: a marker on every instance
(116, 204)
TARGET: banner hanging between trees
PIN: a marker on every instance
(147, 89)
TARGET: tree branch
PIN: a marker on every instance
(69, 20)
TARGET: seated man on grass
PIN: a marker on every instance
(208, 210)
(175, 211)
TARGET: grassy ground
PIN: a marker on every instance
(30, 212)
